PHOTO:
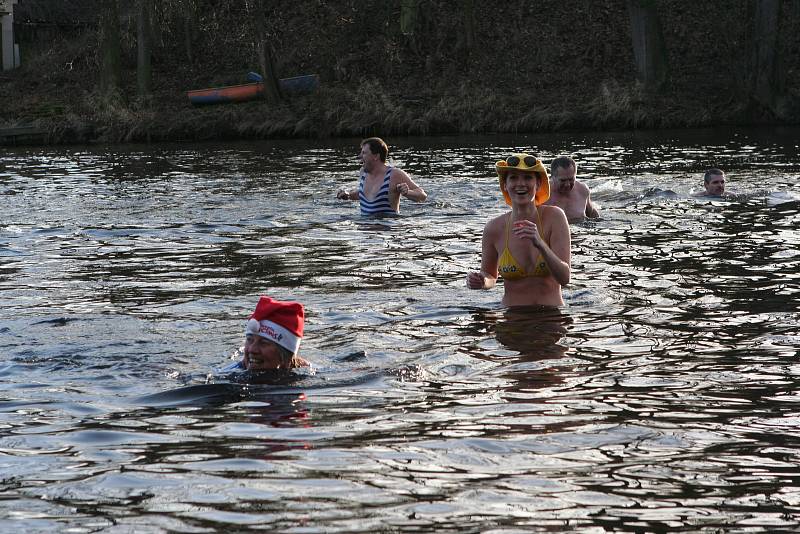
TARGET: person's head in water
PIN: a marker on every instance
(273, 334)
(373, 150)
(714, 181)
(563, 170)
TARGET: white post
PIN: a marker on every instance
(7, 34)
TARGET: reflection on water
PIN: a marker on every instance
(662, 397)
(534, 333)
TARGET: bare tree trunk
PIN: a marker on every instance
(409, 13)
(144, 41)
(109, 47)
(466, 38)
(649, 50)
(272, 93)
(411, 21)
(190, 28)
(766, 79)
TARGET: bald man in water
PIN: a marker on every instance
(568, 193)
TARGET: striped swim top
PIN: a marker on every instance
(380, 204)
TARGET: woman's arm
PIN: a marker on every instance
(487, 277)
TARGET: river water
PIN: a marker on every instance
(662, 397)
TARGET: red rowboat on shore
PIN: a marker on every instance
(251, 91)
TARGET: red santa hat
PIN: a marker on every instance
(280, 322)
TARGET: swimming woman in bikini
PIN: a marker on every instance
(528, 246)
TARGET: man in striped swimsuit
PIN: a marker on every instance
(380, 185)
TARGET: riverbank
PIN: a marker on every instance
(552, 68)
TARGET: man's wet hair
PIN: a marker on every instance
(377, 146)
(562, 162)
(712, 172)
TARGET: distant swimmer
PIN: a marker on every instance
(380, 185)
(272, 337)
(530, 245)
(568, 193)
(714, 182)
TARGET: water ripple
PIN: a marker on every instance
(662, 396)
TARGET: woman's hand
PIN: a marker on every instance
(526, 229)
(476, 280)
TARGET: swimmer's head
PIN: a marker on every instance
(273, 333)
(524, 164)
(376, 146)
(261, 354)
(714, 181)
(563, 170)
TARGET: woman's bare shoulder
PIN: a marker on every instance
(495, 224)
(554, 217)
(551, 212)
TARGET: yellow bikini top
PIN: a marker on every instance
(509, 268)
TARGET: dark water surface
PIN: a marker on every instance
(661, 398)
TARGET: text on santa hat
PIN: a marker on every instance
(268, 330)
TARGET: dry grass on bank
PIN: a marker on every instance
(376, 79)
(72, 109)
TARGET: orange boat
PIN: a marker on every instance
(251, 91)
(229, 93)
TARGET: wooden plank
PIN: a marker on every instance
(21, 135)
(21, 130)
